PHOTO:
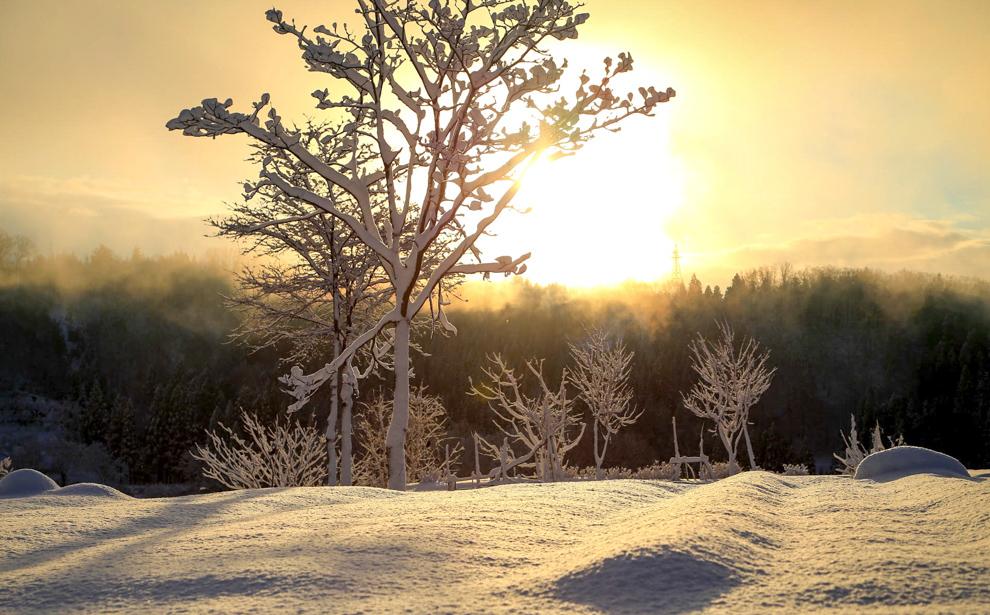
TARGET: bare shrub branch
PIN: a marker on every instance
(287, 454)
(601, 376)
(731, 381)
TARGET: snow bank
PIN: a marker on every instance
(753, 543)
(25, 482)
(92, 490)
(902, 461)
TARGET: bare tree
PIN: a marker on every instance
(544, 424)
(451, 102)
(316, 289)
(601, 376)
(731, 381)
(287, 454)
(427, 444)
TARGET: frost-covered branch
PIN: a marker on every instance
(855, 452)
(287, 454)
(730, 382)
(601, 376)
(544, 422)
(425, 440)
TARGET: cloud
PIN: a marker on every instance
(79, 214)
(889, 242)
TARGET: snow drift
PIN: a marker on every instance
(902, 461)
(90, 490)
(753, 543)
(24, 483)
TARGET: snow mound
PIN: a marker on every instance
(25, 482)
(93, 490)
(902, 461)
(752, 543)
(647, 580)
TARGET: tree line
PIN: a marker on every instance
(126, 362)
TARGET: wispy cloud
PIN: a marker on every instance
(79, 214)
(881, 241)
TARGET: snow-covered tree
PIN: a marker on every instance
(601, 376)
(445, 105)
(544, 423)
(287, 454)
(315, 288)
(427, 444)
(731, 380)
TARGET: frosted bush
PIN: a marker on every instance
(657, 471)
(795, 469)
(723, 469)
(287, 454)
(5, 464)
(654, 471)
(615, 473)
(855, 452)
(429, 456)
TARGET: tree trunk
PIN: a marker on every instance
(395, 442)
(331, 431)
(346, 429)
(730, 450)
(749, 448)
(335, 382)
(599, 457)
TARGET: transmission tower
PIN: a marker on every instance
(675, 273)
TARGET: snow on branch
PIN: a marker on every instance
(545, 423)
(601, 376)
(855, 452)
(730, 382)
(426, 438)
(287, 454)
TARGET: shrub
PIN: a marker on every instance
(285, 455)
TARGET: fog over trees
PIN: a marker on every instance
(121, 364)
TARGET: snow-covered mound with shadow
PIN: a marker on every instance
(27, 483)
(754, 543)
(24, 483)
(90, 490)
(902, 461)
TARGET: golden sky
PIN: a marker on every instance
(845, 133)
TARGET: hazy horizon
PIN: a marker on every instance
(846, 135)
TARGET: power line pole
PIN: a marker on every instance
(676, 277)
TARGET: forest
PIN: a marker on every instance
(114, 367)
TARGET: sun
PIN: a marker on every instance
(598, 217)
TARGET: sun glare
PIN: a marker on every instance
(599, 216)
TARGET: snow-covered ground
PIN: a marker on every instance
(756, 542)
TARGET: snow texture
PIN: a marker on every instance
(25, 482)
(902, 461)
(752, 543)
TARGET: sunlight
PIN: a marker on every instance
(599, 216)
